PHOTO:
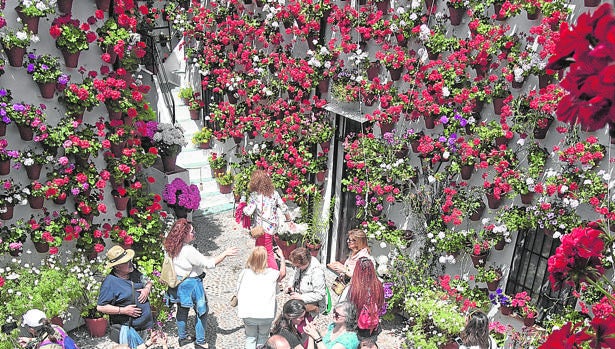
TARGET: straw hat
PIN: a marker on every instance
(117, 255)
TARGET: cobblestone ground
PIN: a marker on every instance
(224, 328)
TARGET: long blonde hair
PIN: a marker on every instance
(360, 239)
(257, 261)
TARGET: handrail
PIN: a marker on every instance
(161, 73)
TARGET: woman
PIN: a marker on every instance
(189, 265)
(309, 283)
(290, 324)
(476, 332)
(43, 333)
(267, 204)
(124, 296)
(256, 292)
(366, 290)
(340, 334)
(357, 244)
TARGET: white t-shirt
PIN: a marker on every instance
(256, 295)
(190, 262)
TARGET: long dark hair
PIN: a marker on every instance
(476, 332)
(292, 309)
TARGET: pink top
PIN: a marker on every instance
(351, 261)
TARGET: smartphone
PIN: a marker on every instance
(458, 341)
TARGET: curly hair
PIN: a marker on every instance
(476, 332)
(365, 285)
(260, 182)
(300, 256)
(174, 241)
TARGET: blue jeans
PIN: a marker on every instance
(257, 331)
(190, 294)
(199, 327)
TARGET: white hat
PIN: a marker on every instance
(33, 318)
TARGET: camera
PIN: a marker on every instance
(458, 341)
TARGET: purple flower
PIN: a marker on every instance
(63, 79)
(443, 119)
(2, 92)
(19, 107)
(75, 191)
(44, 67)
(388, 290)
(389, 137)
(30, 68)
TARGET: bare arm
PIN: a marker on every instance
(231, 251)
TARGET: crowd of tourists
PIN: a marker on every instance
(356, 315)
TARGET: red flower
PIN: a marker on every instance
(55, 31)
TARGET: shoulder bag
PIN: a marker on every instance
(234, 300)
(258, 230)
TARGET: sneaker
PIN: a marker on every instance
(185, 341)
(201, 346)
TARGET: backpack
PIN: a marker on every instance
(167, 275)
(369, 318)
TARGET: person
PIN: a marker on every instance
(256, 291)
(357, 243)
(124, 297)
(340, 333)
(158, 338)
(291, 322)
(366, 289)
(476, 332)
(309, 283)
(43, 334)
(277, 342)
(368, 343)
(189, 265)
(267, 205)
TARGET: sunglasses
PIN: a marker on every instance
(351, 240)
(337, 315)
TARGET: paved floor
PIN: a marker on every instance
(224, 329)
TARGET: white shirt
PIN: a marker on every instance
(256, 294)
(190, 262)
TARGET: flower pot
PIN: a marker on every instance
(496, 9)
(373, 71)
(430, 121)
(36, 202)
(325, 146)
(231, 97)
(169, 162)
(493, 285)
(456, 14)
(25, 132)
(517, 84)
(502, 140)
(432, 55)
(15, 55)
(492, 202)
(402, 153)
(527, 198)
(65, 6)
(541, 133)
(8, 212)
(5, 167)
(96, 327)
(225, 188)
(31, 22)
(591, 3)
(47, 89)
(505, 310)
(480, 259)
(383, 6)
(181, 212)
(528, 322)
(194, 114)
(103, 4)
(82, 160)
(431, 6)
(386, 127)
(481, 70)
(61, 199)
(34, 171)
(41, 246)
(478, 214)
(205, 145)
(2, 129)
(237, 140)
(117, 148)
(320, 176)
(284, 246)
(312, 39)
(71, 60)
(121, 202)
(498, 104)
(466, 171)
(544, 80)
(369, 99)
(16, 252)
(533, 16)
(323, 86)
(313, 248)
(216, 172)
(396, 73)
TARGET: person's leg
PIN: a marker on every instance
(264, 326)
(199, 328)
(251, 330)
(181, 319)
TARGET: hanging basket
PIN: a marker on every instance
(479, 260)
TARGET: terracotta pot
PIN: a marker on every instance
(325, 146)
(121, 202)
(34, 171)
(528, 322)
(215, 172)
(527, 198)
(181, 212)
(2, 129)
(478, 214)
(320, 176)
(16, 253)
(466, 171)
(517, 84)
(65, 6)
(225, 188)
(36, 202)
(5, 167)
(41, 247)
(533, 16)
(15, 55)
(479, 260)
(373, 71)
(493, 285)
(386, 127)
(284, 246)
(206, 145)
(25, 132)
(430, 121)
(96, 327)
(169, 163)
(103, 4)
(237, 140)
(71, 60)
(456, 14)
(8, 214)
(544, 80)
(323, 86)
(498, 103)
(396, 73)
(195, 114)
(496, 9)
(492, 202)
(47, 89)
(60, 200)
(591, 3)
(31, 22)
(505, 310)
(114, 115)
(313, 248)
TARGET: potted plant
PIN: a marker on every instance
(5, 157)
(202, 138)
(12, 238)
(225, 182)
(79, 97)
(26, 117)
(110, 34)
(11, 194)
(194, 105)
(71, 37)
(217, 163)
(182, 197)
(490, 275)
(503, 301)
(169, 139)
(45, 71)
(33, 161)
(186, 94)
(15, 43)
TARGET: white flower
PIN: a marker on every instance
(442, 259)
(383, 244)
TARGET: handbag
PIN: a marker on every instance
(338, 285)
(369, 319)
(257, 231)
(234, 300)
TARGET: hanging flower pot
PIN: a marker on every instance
(493, 285)
(71, 60)
(25, 132)
(480, 259)
(497, 7)
(505, 310)
(15, 55)
(205, 145)
(320, 176)
(386, 127)
(194, 114)
(396, 73)
(466, 171)
(41, 246)
(325, 146)
(47, 89)
(169, 162)
(121, 202)
(34, 171)
(16, 252)
(237, 139)
(478, 214)
(431, 6)
(8, 211)
(225, 188)
(103, 5)
(65, 6)
(373, 71)
(180, 211)
(430, 121)
(31, 21)
(591, 3)
(529, 321)
(97, 327)
(5, 167)
(541, 132)
(498, 104)
(36, 202)
(499, 246)
(534, 15)
(313, 248)
(323, 86)
(456, 14)
(527, 198)
(2, 129)
(61, 199)
(517, 84)
(492, 202)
